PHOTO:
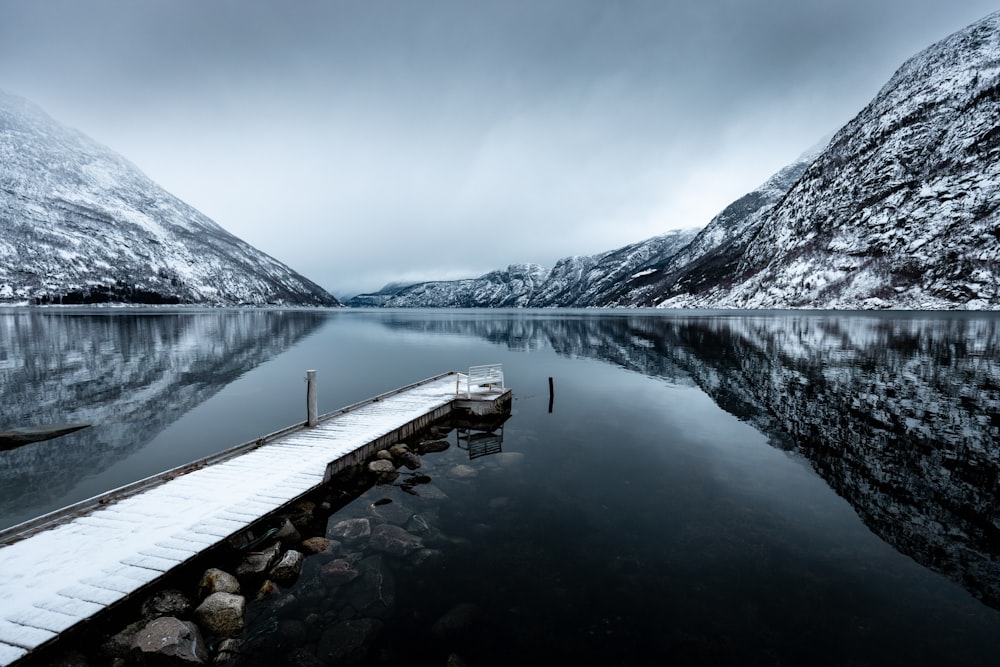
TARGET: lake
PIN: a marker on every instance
(708, 487)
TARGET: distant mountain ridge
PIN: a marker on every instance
(572, 282)
(80, 224)
(900, 210)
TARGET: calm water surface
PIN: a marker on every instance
(724, 488)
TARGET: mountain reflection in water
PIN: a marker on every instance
(128, 374)
(900, 414)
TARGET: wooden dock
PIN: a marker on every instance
(63, 568)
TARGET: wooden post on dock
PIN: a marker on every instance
(552, 394)
(312, 404)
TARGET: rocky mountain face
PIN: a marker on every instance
(80, 224)
(900, 210)
(899, 415)
(572, 282)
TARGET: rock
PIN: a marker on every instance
(288, 534)
(462, 471)
(69, 659)
(455, 660)
(288, 568)
(293, 631)
(166, 603)
(394, 540)
(348, 642)
(382, 467)
(339, 571)
(431, 492)
(432, 446)
(508, 458)
(383, 455)
(170, 641)
(391, 512)
(456, 620)
(217, 581)
(351, 530)
(373, 593)
(302, 513)
(410, 460)
(228, 649)
(397, 451)
(499, 502)
(222, 614)
(301, 657)
(417, 524)
(266, 590)
(421, 556)
(259, 562)
(320, 546)
(119, 645)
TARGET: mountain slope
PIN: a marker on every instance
(80, 224)
(901, 210)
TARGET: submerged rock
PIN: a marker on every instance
(456, 620)
(351, 530)
(463, 471)
(348, 642)
(432, 446)
(339, 571)
(394, 540)
(320, 546)
(373, 593)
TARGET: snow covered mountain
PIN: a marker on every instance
(573, 282)
(80, 224)
(901, 210)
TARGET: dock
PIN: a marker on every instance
(64, 568)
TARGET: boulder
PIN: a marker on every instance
(166, 603)
(169, 641)
(288, 534)
(383, 455)
(399, 450)
(320, 546)
(339, 571)
(382, 467)
(288, 568)
(432, 446)
(119, 645)
(228, 649)
(391, 512)
(373, 593)
(394, 540)
(351, 530)
(259, 562)
(217, 581)
(456, 620)
(462, 471)
(410, 460)
(348, 642)
(222, 614)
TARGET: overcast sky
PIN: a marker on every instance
(364, 141)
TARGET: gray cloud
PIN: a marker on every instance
(362, 142)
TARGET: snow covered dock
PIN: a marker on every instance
(61, 569)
